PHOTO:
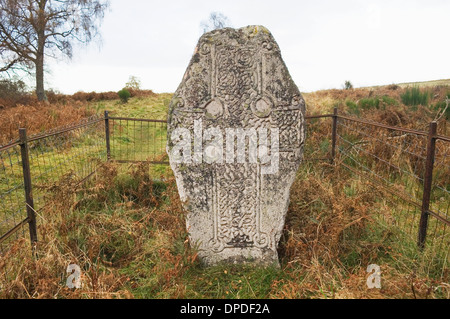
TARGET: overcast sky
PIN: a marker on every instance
(323, 42)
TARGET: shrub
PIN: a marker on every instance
(413, 97)
(352, 107)
(393, 87)
(389, 100)
(348, 85)
(9, 87)
(369, 103)
(93, 96)
(124, 95)
(13, 93)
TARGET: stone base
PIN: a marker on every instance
(251, 255)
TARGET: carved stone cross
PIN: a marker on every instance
(235, 141)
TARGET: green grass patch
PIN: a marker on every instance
(414, 97)
(152, 107)
(369, 103)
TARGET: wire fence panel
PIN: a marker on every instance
(74, 150)
(318, 143)
(135, 140)
(12, 196)
(438, 232)
(395, 160)
(440, 192)
(390, 157)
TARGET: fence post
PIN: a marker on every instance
(27, 185)
(334, 135)
(108, 145)
(428, 179)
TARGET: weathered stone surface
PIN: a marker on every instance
(236, 82)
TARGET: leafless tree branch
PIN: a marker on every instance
(32, 29)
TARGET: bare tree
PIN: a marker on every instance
(217, 20)
(31, 30)
(133, 83)
(348, 85)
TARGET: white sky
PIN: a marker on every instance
(323, 42)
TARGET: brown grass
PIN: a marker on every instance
(113, 238)
(61, 110)
(125, 235)
(38, 118)
(324, 227)
(323, 102)
(140, 241)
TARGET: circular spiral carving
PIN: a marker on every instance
(205, 48)
(262, 107)
(244, 58)
(216, 245)
(196, 91)
(261, 240)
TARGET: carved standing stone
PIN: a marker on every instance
(236, 93)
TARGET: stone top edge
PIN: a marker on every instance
(250, 30)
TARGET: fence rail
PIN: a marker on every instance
(30, 166)
(135, 140)
(410, 165)
(407, 165)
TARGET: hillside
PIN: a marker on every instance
(423, 84)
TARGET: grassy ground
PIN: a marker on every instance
(126, 232)
(125, 229)
(152, 107)
(77, 151)
(444, 82)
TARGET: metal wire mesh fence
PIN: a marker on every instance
(440, 192)
(12, 195)
(136, 140)
(32, 164)
(319, 138)
(412, 167)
